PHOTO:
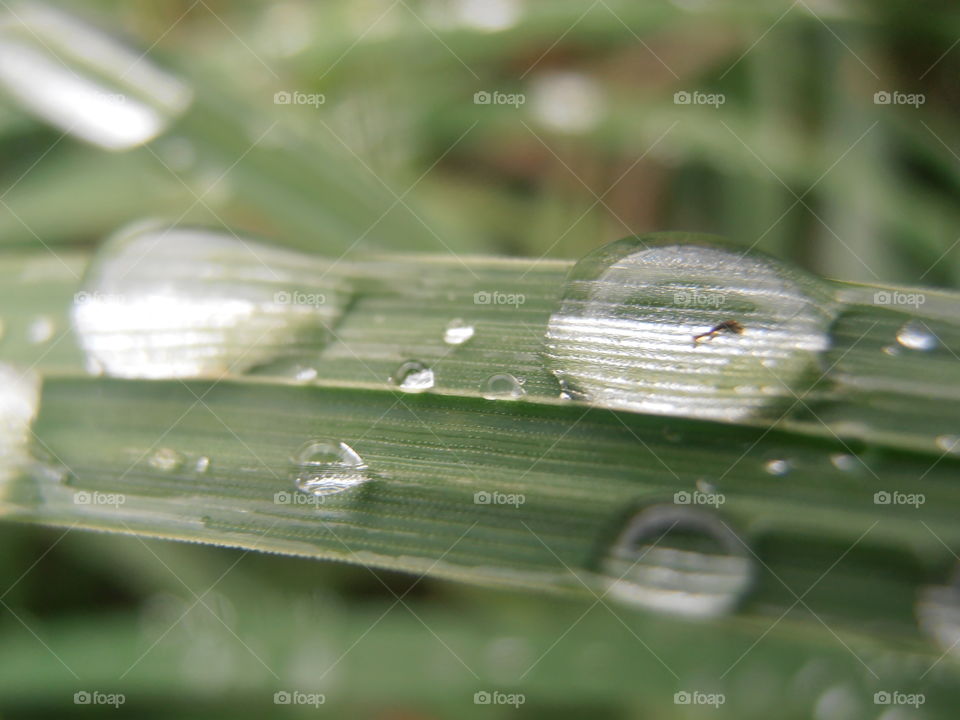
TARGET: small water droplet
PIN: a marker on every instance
(777, 467)
(202, 464)
(457, 332)
(892, 350)
(679, 560)
(916, 336)
(844, 461)
(623, 334)
(949, 444)
(413, 377)
(41, 329)
(166, 459)
(705, 486)
(306, 374)
(502, 386)
(327, 467)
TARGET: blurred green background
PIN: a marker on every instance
(588, 136)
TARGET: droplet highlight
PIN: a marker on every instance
(166, 460)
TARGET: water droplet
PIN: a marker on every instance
(84, 81)
(844, 461)
(679, 560)
(502, 386)
(202, 464)
(568, 102)
(777, 467)
(916, 336)
(306, 374)
(413, 377)
(19, 400)
(705, 486)
(949, 444)
(166, 460)
(623, 335)
(176, 302)
(41, 330)
(457, 332)
(325, 467)
(839, 702)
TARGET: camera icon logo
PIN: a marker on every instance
(682, 97)
(282, 697)
(481, 498)
(81, 697)
(682, 698)
(682, 497)
(282, 498)
(282, 98)
(882, 498)
(882, 697)
(882, 97)
(82, 497)
(481, 698)
(881, 297)
(482, 298)
(481, 97)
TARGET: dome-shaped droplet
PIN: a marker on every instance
(413, 377)
(949, 443)
(680, 560)
(502, 386)
(84, 81)
(916, 336)
(680, 324)
(777, 466)
(166, 302)
(457, 332)
(327, 467)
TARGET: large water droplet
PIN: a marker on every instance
(679, 560)
(84, 81)
(916, 336)
(165, 302)
(502, 386)
(413, 377)
(326, 467)
(457, 332)
(624, 333)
